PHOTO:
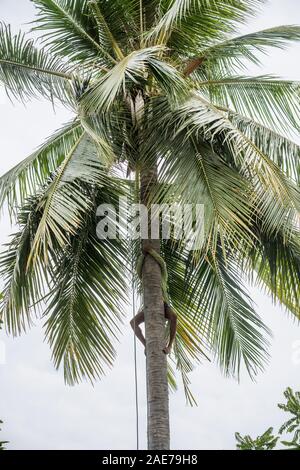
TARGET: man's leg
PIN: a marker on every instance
(172, 318)
(135, 322)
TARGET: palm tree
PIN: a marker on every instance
(156, 86)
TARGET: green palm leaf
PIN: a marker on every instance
(22, 180)
(106, 37)
(277, 267)
(232, 53)
(71, 30)
(281, 150)
(199, 116)
(199, 177)
(84, 314)
(154, 89)
(132, 68)
(64, 202)
(192, 21)
(191, 340)
(206, 291)
(275, 103)
(26, 71)
(235, 330)
(23, 287)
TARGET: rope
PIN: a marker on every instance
(164, 273)
(135, 370)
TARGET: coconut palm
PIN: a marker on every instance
(157, 87)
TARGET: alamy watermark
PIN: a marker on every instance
(184, 222)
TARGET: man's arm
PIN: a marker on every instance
(135, 322)
(172, 318)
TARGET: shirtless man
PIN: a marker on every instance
(170, 316)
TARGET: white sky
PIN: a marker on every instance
(40, 412)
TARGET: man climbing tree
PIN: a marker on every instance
(170, 315)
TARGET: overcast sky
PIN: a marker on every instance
(40, 412)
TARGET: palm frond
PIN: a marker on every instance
(275, 103)
(122, 18)
(292, 406)
(106, 37)
(176, 10)
(236, 332)
(191, 172)
(206, 291)
(282, 151)
(183, 362)
(229, 196)
(233, 53)
(190, 346)
(23, 288)
(79, 285)
(186, 23)
(171, 378)
(22, 180)
(27, 71)
(168, 79)
(65, 201)
(71, 31)
(275, 262)
(203, 119)
(132, 68)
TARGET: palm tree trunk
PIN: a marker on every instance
(156, 360)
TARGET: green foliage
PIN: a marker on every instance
(268, 441)
(292, 426)
(233, 53)
(87, 298)
(26, 177)
(26, 71)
